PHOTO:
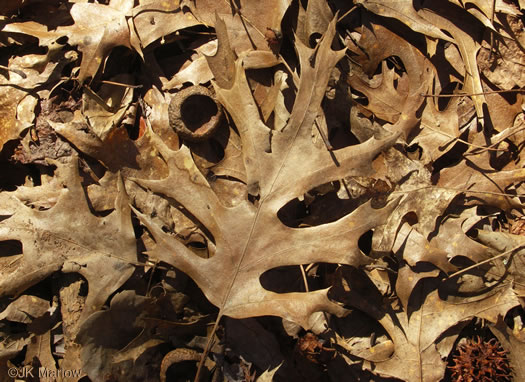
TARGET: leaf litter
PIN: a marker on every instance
(356, 211)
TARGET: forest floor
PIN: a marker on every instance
(286, 190)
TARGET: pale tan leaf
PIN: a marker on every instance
(408, 12)
(25, 309)
(246, 21)
(76, 234)
(417, 332)
(267, 376)
(244, 232)
(156, 19)
(105, 110)
(97, 30)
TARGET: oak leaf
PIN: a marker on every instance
(422, 334)
(68, 237)
(249, 237)
(97, 30)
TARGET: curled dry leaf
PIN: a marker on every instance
(399, 219)
(416, 332)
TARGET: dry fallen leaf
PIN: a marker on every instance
(355, 169)
(245, 232)
(42, 232)
(97, 30)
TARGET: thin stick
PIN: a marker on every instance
(461, 140)
(491, 147)
(459, 190)
(521, 90)
(491, 31)
(304, 278)
(502, 139)
(17, 71)
(327, 143)
(151, 278)
(347, 13)
(510, 251)
(209, 344)
(120, 84)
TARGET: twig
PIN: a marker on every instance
(151, 277)
(461, 140)
(207, 349)
(120, 84)
(459, 190)
(327, 143)
(491, 31)
(306, 289)
(521, 90)
(510, 135)
(347, 13)
(510, 251)
(17, 71)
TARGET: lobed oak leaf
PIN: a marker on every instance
(249, 237)
(407, 11)
(18, 98)
(39, 354)
(155, 19)
(313, 21)
(483, 9)
(481, 182)
(467, 34)
(416, 338)
(246, 21)
(68, 237)
(97, 30)
(376, 44)
(423, 334)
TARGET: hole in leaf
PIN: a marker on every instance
(11, 248)
(365, 242)
(320, 205)
(289, 278)
(359, 97)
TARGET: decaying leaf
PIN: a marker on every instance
(416, 333)
(43, 232)
(362, 187)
